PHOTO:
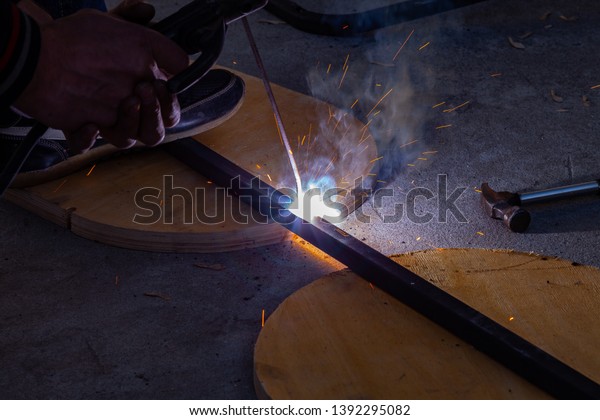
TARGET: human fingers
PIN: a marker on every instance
(151, 129)
(134, 11)
(169, 105)
(168, 55)
(125, 131)
(82, 139)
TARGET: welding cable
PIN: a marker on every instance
(357, 23)
(20, 155)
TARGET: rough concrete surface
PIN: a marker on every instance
(69, 331)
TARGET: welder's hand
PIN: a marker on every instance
(89, 68)
(142, 116)
(33, 10)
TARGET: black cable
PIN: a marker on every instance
(20, 156)
(357, 23)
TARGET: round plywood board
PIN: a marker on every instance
(340, 338)
(148, 200)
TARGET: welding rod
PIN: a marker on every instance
(517, 354)
(20, 155)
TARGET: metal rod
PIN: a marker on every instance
(550, 194)
(20, 155)
(273, 102)
(517, 354)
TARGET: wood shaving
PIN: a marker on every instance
(378, 63)
(568, 18)
(586, 101)
(215, 267)
(555, 97)
(272, 22)
(157, 295)
(516, 44)
(526, 35)
(546, 15)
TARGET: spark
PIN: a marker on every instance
(346, 62)
(376, 159)
(403, 44)
(457, 107)
(481, 233)
(209, 182)
(270, 179)
(495, 74)
(439, 127)
(440, 104)
(430, 152)
(424, 45)
(595, 87)
(346, 26)
(511, 318)
(418, 238)
(381, 181)
(91, 170)
(364, 139)
(338, 122)
(477, 190)
(258, 166)
(328, 68)
(421, 158)
(160, 204)
(309, 132)
(61, 185)
(410, 164)
(234, 62)
(262, 321)
(354, 104)
(302, 142)
(343, 77)
(117, 280)
(409, 143)
(380, 100)
(371, 284)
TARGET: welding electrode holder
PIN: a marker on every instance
(199, 28)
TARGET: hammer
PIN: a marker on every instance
(506, 206)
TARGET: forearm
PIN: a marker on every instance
(19, 51)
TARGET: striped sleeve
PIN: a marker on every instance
(19, 51)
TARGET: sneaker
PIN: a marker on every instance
(205, 105)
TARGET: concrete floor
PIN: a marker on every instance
(69, 332)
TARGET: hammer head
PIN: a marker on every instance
(505, 206)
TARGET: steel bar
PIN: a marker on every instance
(519, 355)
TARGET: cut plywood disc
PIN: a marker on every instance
(148, 200)
(340, 338)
